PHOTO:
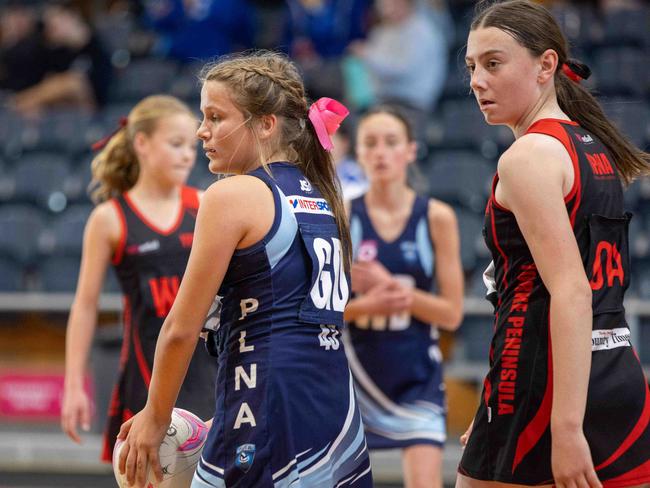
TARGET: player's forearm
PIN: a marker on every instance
(571, 325)
(79, 336)
(355, 309)
(436, 309)
(173, 355)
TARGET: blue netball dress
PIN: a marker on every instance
(395, 361)
(286, 414)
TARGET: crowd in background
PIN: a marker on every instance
(70, 69)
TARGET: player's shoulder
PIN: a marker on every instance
(105, 219)
(533, 154)
(239, 193)
(440, 214)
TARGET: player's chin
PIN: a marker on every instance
(217, 167)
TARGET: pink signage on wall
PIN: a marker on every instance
(32, 395)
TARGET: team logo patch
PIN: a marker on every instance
(245, 457)
(305, 186)
(604, 339)
(145, 247)
(301, 204)
(409, 251)
(585, 139)
(367, 251)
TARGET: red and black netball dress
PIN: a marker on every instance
(511, 439)
(150, 263)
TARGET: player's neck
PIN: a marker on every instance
(145, 189)
(547, 108)
(392, 196)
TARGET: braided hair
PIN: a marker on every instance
(265, 83)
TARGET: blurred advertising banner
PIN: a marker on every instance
(32, 395)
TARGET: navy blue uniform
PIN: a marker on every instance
(396, 362)
(511, 438)
(286, 413)
(150, 263)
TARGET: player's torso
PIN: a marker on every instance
(150, 261)
(382, 342)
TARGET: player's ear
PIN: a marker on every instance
(548, 62)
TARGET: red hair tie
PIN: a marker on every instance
(100, 144)
(572, 75)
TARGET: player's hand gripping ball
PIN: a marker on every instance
(179, 452)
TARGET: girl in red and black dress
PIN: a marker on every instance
(143, 226)
(565, 401)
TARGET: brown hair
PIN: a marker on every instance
(264, 83)
(115, 169)
(394, 111)
(533, 26)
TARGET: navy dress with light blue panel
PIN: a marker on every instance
(286, 414)
(395, 360)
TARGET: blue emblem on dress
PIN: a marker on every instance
(409, 251)
(245, 457)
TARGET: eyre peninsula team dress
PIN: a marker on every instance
(511, 431)
(150, 263)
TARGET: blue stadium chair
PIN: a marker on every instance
(621, 71)
(111, 285)
(476, 334)
(628, 26)
(76, 184)
(639, 244)
(111, 116)
(59, 274)
(470, 226)
(186, 84)
(580, 25)
(643, 343)
(460, 177)
(144, 77)
(463, 126)
(21, 227)
(66, 131)
(11, 275)
(11, 133)
(64, 237)
(39, 179)
(457, 83)
(632, 117)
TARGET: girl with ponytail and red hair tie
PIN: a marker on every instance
(565, 401)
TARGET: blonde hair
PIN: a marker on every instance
(264, 83)
(115, 169)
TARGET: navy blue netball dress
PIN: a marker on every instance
(286, 413)
(396, 362)
(511, 438)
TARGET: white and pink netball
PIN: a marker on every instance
(179, 452)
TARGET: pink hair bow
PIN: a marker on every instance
(326, 115)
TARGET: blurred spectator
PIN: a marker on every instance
(69, 68)
(22, 52)
(351, 176)
(317, 33)
(199, 29)
(406, 55)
